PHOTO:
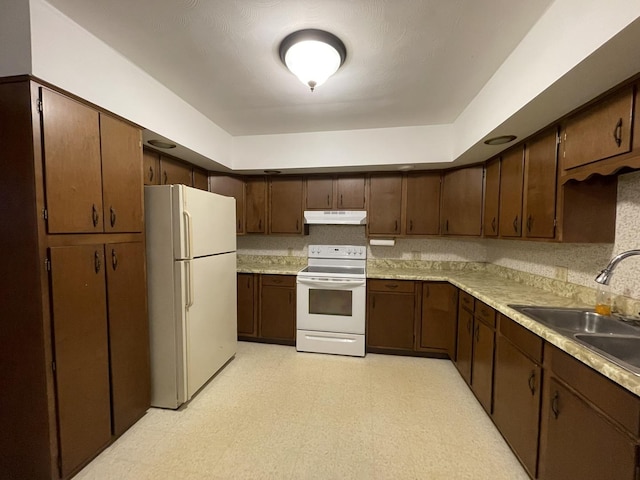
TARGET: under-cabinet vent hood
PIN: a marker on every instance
(335, 217)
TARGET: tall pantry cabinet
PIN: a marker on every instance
(74, 349)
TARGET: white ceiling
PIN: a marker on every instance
(409, 62)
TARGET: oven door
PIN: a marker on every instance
(331, 304)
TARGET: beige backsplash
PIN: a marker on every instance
(545, 265)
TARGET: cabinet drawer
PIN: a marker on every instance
(399, 286)
(465, 301)
(485, 313)
(279, 280)
(618, 403)
(528, 342)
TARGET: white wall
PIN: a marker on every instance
(377, 146)
(15, 41)
(66, 55)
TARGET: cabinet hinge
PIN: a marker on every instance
(555, 222)
(47, 264)
(53, 366)
(39, 105)
(45, 214)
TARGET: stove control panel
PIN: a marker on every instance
(337, 251)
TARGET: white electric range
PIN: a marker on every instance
(331, 300)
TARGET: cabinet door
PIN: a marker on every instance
(201, 179)
(286, 205)
(491, 198)
(516, 401)
(462, 201)
(174, 172)
(423, 204)
(319, 193)
(246, 317)
(464, 345)
(128, 334)
(79, 308)
(482, 364)
(231, 187)
(385, 204)
(579, 443)
(350, 191)
(390, 320)
(278, 313)
(256, 204)
(540, 186)
(599, 132)
(439, 317)
(72, 165)
(511, 184)
(151, 167)
(122, 192)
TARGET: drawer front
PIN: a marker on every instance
(485, 313)
(618, 403)
(528, 342)
(466, 301)
(279, 280)
(399, 286)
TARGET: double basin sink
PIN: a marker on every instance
(608, 336)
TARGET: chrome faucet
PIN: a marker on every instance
(605, 275)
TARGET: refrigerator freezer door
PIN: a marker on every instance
(204, 223)
(209, 305)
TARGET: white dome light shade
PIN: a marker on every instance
(312, 55)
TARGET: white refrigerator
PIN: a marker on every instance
(191, 280)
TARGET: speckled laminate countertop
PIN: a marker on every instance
(491, 289)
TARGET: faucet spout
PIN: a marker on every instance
(604, 277)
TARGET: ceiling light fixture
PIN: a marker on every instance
(502, 139)
(161, 144)
(312, 55)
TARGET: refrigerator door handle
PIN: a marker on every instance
(189, 233)
(189, 284)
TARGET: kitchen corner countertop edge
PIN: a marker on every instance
(498, 293)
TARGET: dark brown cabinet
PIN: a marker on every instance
(423, 203)
(230, 186)
(438, 326)
(319, 193)
(482, 355)
(599, 132)
(278, 308)
(256, 205)
(464, 344)
(79, 318)
(285, 205)
(350, 192)
(491, 198)
(128, 333)
(516, 390)
(391, 313)
(200, 179)
(511, 185)
(462, 201)
(173, 172)
(385, 204)
(151, 167)
(247, 318)
(540, 159)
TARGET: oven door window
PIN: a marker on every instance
(331, 302)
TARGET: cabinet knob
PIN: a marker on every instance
(151, 174)
(112, 217)
(165, 178)
(95, 217)
(554, 405)
(529, 223)
(515, 224)
(328, 201)
(532, 382)
(97, 264)
(395, 228)
(411, 225)
(340, 199)
(493, 225)
(617, 132)
(114, 259)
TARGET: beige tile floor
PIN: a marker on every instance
(275, 413)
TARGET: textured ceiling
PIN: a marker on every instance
(408, 63)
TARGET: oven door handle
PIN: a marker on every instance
(328, 282)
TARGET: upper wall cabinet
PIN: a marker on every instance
(319, 193)
(256, 205)
(423, 203)
(335, 193)
(385, 204)
(230, 186)
(200, 179)
(350, 192)
(93, 169)
(462, 201)
(285, 205)
(511, 180)
(174, 172)
(151, 167)
(491, 198)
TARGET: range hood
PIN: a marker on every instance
(335, 217)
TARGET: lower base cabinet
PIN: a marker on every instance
(438, 323)
(391, 313)
(482, 364)
(464, 343)
(247, 318)
(277, 319)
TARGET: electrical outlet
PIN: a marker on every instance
(561, 273)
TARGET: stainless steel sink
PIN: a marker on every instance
(576, 320)
(623, 350)
(609, 337)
